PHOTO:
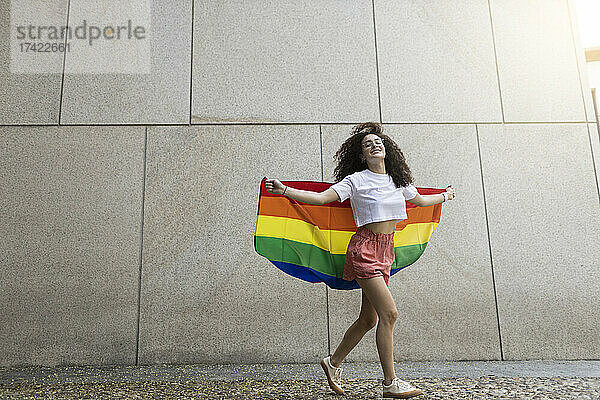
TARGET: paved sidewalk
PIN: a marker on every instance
(439, 380)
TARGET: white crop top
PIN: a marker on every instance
(374, 197)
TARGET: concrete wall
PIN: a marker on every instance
(128, 201)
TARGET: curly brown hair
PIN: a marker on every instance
(349, 161)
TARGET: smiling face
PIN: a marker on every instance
(372, 148)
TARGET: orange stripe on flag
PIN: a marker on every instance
(335, 218)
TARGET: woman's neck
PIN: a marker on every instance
(378, 168)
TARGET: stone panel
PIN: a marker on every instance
(70, 207)
(542, 203)
(31, 80)
(299, 61)
(536, 61)
(130, 81)
(583, 70)
(207, 296)
(436, 63)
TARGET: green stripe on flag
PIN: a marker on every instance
(313, 257)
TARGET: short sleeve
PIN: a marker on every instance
(409, 191)
(343, 188)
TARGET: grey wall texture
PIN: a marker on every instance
(128, 201)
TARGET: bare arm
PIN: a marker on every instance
(431, 199)
(426, 200)
(305, 196)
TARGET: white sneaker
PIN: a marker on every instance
(400, 389)
(334, 375)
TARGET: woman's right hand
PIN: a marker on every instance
(274, 186)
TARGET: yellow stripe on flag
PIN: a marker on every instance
(336, 242)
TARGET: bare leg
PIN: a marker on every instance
(380, 297)
(367, 319)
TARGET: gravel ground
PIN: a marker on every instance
(489, 387)
(439, 380)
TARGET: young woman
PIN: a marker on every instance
(372, 172)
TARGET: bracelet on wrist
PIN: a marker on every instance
(283, 194)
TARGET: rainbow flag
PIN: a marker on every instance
(309, 242)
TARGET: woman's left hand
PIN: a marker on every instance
(450, 191)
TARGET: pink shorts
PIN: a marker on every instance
(369, 254)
